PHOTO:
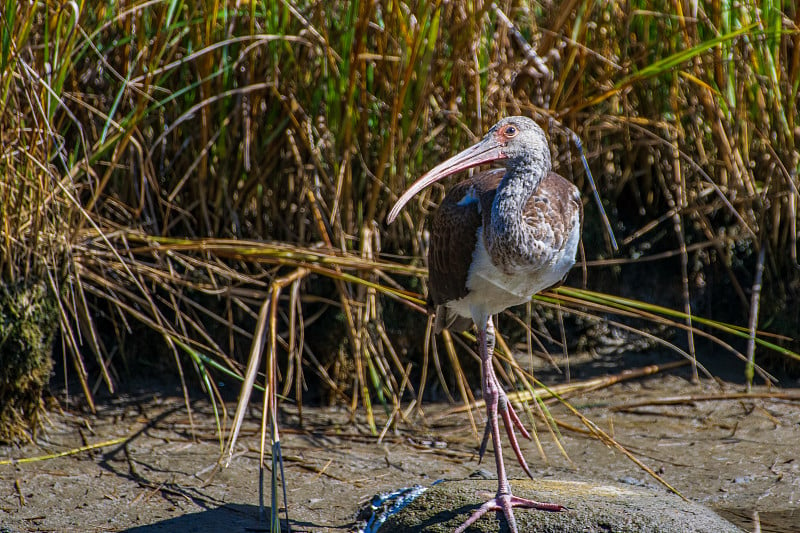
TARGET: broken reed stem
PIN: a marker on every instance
(676, 206)
(687, 304)
(256, 349)
(681, 203)
(755, 298)
(73, 451)
(268, 415)
(694, 398)
(438, 365)
(425, 358)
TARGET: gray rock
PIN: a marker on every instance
(593, 507)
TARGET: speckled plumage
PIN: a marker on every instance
(496, 240)
(540, 245)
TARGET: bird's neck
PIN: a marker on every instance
(512, 194)
(508, 237)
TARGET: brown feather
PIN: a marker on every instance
(549, 211)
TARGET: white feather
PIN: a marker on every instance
(491, 290)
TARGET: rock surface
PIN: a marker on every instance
(593, 507)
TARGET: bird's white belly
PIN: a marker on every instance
(491, 290)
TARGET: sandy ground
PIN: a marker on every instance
(738, 456)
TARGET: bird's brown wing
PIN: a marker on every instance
(556, 201)
(453, 238)
(571, 206)
(552, 211)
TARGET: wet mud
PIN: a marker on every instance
(736, 455)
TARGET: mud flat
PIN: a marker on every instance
(737, 456)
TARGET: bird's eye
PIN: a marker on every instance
(510, 131)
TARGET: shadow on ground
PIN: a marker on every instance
(231, 518)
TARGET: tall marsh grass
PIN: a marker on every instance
(174, 165)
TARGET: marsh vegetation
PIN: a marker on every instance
(168, 167)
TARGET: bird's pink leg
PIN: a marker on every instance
(510, 420)
(506, 410)
(504, 500)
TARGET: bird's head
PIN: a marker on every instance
(518, 142)
(521, 142)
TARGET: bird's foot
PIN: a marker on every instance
(510, 421)
(506, 504)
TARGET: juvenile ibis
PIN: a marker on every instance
(497, 239)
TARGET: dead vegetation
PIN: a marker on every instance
(170, 167)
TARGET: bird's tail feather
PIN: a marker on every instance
(447, 319)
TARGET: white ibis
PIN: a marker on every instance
(497, 239)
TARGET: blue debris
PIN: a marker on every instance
(386, 504)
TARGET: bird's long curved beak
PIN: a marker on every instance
(485, 151)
